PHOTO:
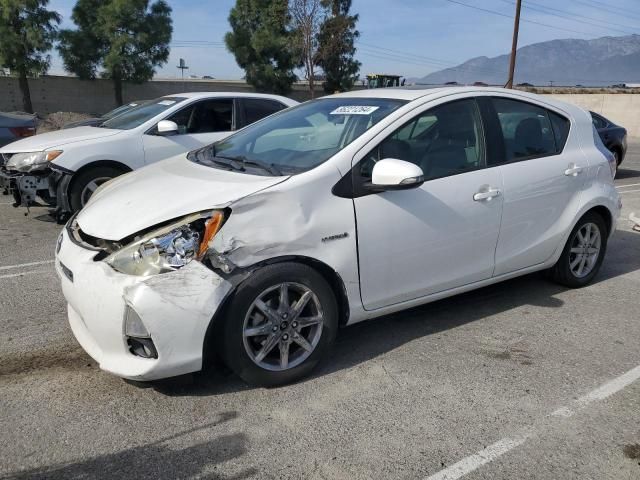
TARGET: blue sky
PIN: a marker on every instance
(408, 37)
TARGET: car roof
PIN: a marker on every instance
(195, 95)
(416, 92)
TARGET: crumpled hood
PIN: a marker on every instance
(163, 191)
(59, 138)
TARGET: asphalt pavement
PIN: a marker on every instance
(524, 379)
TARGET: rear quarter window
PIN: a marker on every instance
(561, 126)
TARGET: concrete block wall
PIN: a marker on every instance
(623, 109)
(54, 94)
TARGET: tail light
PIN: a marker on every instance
(23, 132)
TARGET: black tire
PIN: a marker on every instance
(80, 183)
(232, 343)
(562, 272)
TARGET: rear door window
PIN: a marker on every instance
(256, 109)
(526, 129)
(205, 116)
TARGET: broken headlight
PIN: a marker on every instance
(31, 161)
(168, 248)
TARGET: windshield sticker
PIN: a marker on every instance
(167, 102)
(354, 110)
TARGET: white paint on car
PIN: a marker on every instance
(391, 247)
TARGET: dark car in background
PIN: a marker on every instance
(14, 126)
(613, 136)
(97, 121)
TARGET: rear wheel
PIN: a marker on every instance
(87, 183)
(583, 254)
(279, 325)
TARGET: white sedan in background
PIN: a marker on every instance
(65, 167)
(339, 210)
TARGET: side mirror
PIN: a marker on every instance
(167, 127)
(393, 174)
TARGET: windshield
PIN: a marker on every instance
(142, 113)
(299, 138)
(121, 109)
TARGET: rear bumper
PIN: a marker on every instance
(176, 309)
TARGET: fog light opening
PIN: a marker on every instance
(133, 326)
(142, 347)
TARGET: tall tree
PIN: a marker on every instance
(262, 44)
(123, 40)
(307, 16)
(27, 32)
(337, 38)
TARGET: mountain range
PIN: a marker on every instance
(597, 62)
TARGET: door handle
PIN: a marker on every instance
(487, 194)
(573, 170)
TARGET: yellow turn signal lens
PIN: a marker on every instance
(53, 154)
(211, 228)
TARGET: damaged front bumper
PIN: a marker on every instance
(172, 311)
(26, 187)
(50, 185)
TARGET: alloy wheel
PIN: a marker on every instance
(585, 250)
(283, 326)
(90, 188)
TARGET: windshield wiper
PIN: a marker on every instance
(269, 167)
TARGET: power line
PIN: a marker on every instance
(404, 59)
(619, 12)
(567, 16)
(411, 59)
(510, 17)
(582, 16)
(429, 60)
(608, 5)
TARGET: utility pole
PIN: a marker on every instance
(514, 45)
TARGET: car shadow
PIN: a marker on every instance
(626, 173)
(364, 341)
(156, 460)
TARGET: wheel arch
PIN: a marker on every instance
(332, 277)
(89, 166)
(69, 177)
(604, 213)
(100, 163)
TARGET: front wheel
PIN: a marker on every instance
(279, 325)
(583, 254)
